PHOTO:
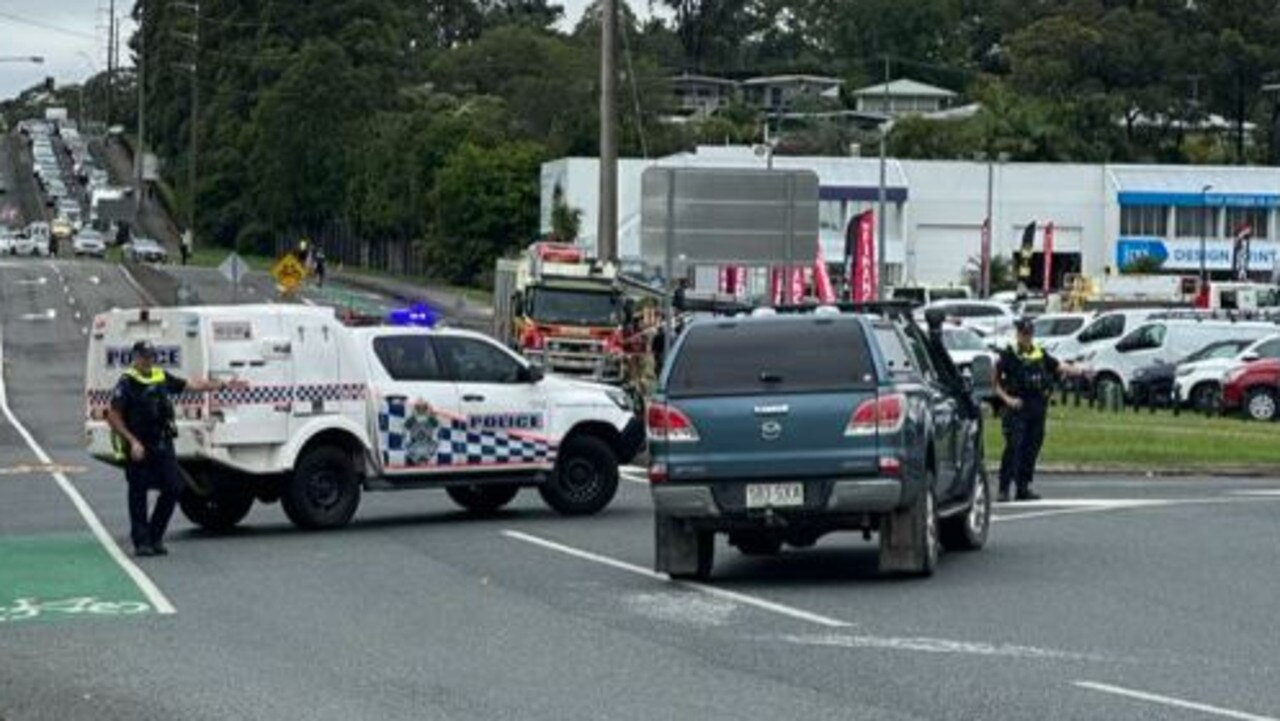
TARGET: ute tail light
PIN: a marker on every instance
(891, 465)
(882, 414)
(658, 473)
(668, 424)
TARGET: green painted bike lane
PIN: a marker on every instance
(63, 576)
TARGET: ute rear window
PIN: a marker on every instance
(802, 356)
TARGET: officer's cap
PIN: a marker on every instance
(1024, 325)
(144, 348)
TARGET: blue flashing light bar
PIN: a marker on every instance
(421, 315)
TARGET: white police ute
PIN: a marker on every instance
(323, 412)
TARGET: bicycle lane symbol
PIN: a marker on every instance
(28, 609)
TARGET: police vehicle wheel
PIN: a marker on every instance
(1261, 404)
(968, 531)
(681, 551)
(585, 478)
(323, 492)
(482, 499)
(218, 511)
(756, 544)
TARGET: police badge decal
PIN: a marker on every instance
(420, 428)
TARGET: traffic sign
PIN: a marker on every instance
(233, 269)
(288, 273)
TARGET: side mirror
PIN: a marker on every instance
(1250, 357)
(532, 374)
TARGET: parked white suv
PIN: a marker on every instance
(1198, 380)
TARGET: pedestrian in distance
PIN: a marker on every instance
(1024, 375)
(143, 425)
(319, 259)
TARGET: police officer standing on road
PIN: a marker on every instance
(1024, 376)
(142, 420)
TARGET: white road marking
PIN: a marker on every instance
(144, 583)
(1257, 494)
(924, 644)
(742, 598)
(94, 280)
(306, 300)
(1071, 506)
(47, 315)
(1172, 702)
(41, 280)
(638, 475)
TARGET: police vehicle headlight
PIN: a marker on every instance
(620, 399)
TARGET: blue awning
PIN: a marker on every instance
(1196, 186)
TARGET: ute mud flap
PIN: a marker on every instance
(904, 539)
(676, 546)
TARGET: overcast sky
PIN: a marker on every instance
(71, 35)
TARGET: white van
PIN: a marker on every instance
(1164, 341)
(1107, 326)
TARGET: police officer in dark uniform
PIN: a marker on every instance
(1024, 376)
(142, 420)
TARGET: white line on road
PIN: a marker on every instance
(1172, 702)
(744, 599)
(926, 644)
(144, 583)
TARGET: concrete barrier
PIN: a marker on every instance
(156, 286)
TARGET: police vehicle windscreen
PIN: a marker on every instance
(750, 358)
(575, 307)
(949, 294)
(914, 295)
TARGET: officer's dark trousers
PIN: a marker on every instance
(159, 472)
(1023, 436)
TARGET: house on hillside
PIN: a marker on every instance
(903, 97)
(778, 93)
(702, 95)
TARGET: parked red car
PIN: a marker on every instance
(1254, 389)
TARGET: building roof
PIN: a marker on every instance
(709, 79)
(1185, 185)
(906, 87)
(792, 79)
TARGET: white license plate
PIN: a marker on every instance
(775, 495)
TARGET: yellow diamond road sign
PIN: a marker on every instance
(288, 273)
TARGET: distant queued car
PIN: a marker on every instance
(145, 250)
(89, 243)
(1253, 389)
(964, 345)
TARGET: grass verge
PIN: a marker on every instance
(1142, 441)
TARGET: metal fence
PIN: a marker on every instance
(345, 248)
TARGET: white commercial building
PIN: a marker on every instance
(1103, 215)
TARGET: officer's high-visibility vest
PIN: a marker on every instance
(119, 446)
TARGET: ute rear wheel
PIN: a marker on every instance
(682, 551)
(909, 538)
(482, 499)
(324, 491)
(585, 479)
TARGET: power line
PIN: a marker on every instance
(46, 26)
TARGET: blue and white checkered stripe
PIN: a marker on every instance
(256, 395)
(451, 443)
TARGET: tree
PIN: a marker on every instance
(566, 222)
(486, 204)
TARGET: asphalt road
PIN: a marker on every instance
(1118, 598)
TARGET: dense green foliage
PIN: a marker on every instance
(427, 120)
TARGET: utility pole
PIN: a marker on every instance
(111, 61)
(194, 68)
(140, 152)
(607, 228)
(882, 266)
